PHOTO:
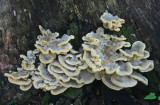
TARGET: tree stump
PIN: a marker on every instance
(19, 20)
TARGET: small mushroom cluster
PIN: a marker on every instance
(104, 57)
(23, 74)
(111, 22)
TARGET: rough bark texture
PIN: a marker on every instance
(19, 20)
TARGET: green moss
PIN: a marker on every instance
(46, 99)
(28, 95)
(153, 83)
(127, 32)
(73, 29)
(154, 77)
(12, 102)
(157, 66)
(148, 46)
(72, 92)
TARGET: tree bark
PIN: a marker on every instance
(19, 20)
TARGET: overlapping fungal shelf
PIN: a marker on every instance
(104, 57)
(111, 22)
(60, 66)
(118, 68)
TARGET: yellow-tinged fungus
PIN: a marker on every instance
(111, 22)
(109, 60)
(104, 57)
(123, 81)
(28, 61)
(48, 42)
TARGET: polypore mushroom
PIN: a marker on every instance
(47, 58)
(21, 78)
(123, 81)
(107, 81)
(48, 42)
(110, 61)
(111, 22)
(28, 61)
(104, 57)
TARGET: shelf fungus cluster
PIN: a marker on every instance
(116, 67)
(60, 66)
(104, 57)
(23, 74)
(67, 70)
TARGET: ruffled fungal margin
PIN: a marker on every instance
(67, 71)
(104, 57)
(48, 43)
(23, 74)
(117, 68)
(111, 22)
(60, 66)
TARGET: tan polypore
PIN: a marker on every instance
(103, 57)
(106, 56)
(20, 78)
(26, 87)
(43, 79)
(139, 77)
(111, 22)
(142, 65)
(117, 82)
(136, 52)
(28, 61)
(69, 70)
(49, 43)
(65, 72)
(58, 90)
(47, 58)
(107, 81)
(23, 74)
(19, 81)
(125, 69)
(16, 75)
(123, 81)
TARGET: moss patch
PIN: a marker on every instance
(72, 92)
(46, 99)
(127, 32)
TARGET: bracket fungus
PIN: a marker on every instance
(22, 76)
(104, 57)
(68, 70)
(49, 43)
(60, 66)
(111, 22)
